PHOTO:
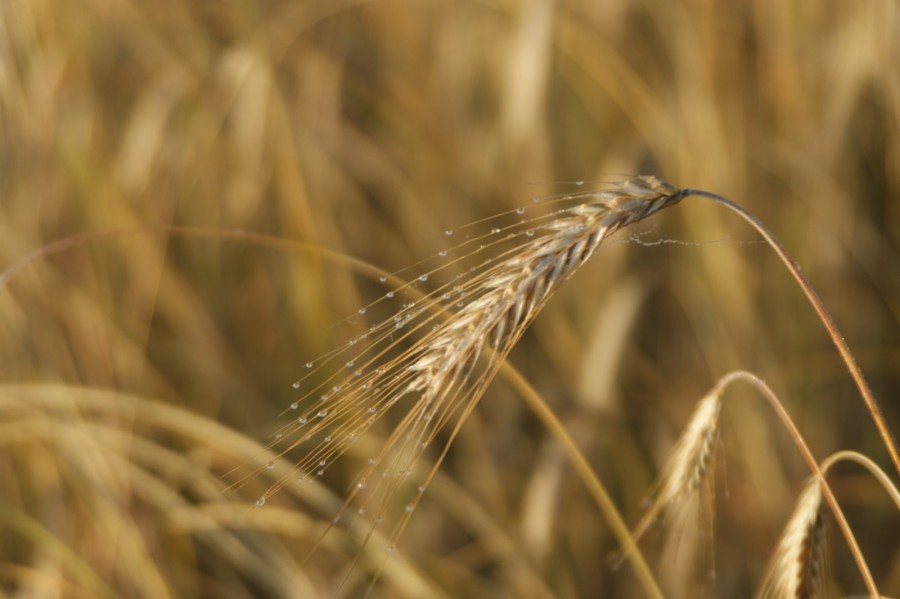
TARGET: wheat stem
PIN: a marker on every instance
(830, 499)
(833, 332)
(868, 464)
(588, 477)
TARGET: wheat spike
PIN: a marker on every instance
(683, 491)
(689, 465)
(439, 378)
(796, 570)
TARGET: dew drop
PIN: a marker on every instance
(279, 435)
(361, 311)
(423, 278)
(421, 488)
(322, 462)
(448, 232)
(322, 413)
(372, 461)
(295, 405)
(529, 233)
(309, 364)
(372, 410)
(389, 294)
(320, 473)
(270, 465)
(579, 183)
(350, 364)
(301, 420)
(442, 253)
(382, 279)
(296, 385)
(357, 373)
(261, 502)
(520, 211)
(495, 230)
(409, 507)
(328, 438)
(361, 485)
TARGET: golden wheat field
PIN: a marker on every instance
(250, 250)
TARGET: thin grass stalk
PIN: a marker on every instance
(868, 464)
(590, 479)
(871, 403)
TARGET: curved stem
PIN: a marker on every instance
(847, 455)
(836, 510)
(833, 332)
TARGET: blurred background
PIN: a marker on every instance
(139, 366)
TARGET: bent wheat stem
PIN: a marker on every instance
(818, 474)
(833, 332)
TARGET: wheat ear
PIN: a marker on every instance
(689, 465)
(798, 565)
(451, 356)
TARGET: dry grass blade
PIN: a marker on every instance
(798, 565)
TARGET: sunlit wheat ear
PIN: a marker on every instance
(684, 493)
(430, 363)
(797, 567)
